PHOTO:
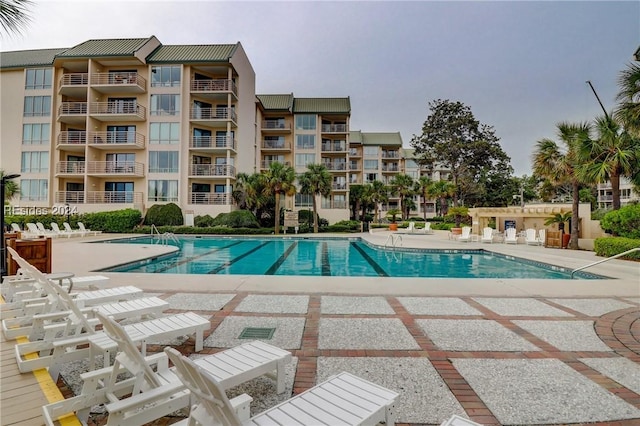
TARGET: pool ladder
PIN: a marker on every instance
(163, 239)
(393, 240)
(604, 260)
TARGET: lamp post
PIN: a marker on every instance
(3, 254)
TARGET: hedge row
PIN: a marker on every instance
(222, 230)
(611, 246)
(118, 221)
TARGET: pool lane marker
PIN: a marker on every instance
(326, 268)
(272, 270)
(191, 259)
(242, 256)
(374, 265)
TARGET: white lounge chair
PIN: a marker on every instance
(510, 236)
(44, 231)
(87, 231)
(427, 228)
(487, 235)
(59, 232)
(74, 232)
(33, 231)
(160, 392)
(531, 238)
(466, 234)
(15, 227)
(343, 399)
(411, 228)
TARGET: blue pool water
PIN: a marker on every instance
(332, 257)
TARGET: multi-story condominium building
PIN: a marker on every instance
(109, 124)
(605, 194)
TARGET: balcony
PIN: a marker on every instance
(116, 140)
(213, 117)
(113, 197)
(276, 146)
(71, 140)
(334, 204)
(74, 85)
(356, 153)
(275, 126)
(214, 87)
(212, 143)
(390, 168)
(217, 198)
(72, 112)
(339, 186)
(265, 164)
(335, 166)
(118, 82)
(115, 168)
(118, 111)
(334, 128)
(390, 154)
(212, 170)
(69, 197)
(334, 147)
(354, 166)
(70, 168)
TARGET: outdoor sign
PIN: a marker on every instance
(509, 223)
(290, 219)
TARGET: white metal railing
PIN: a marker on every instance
(72, 108)
(118, 78)
(275, 125)
(604, 260)
(222, 142)
(72, 137)
(214, 85)
(335, 165)
(219, 113)
(334, 128)
(118, 108)
(276, 145)
(114, 197)
(212, 170)
(75, 79)
(117, 137)
(70, 167)
(211, 198)
(115, 167)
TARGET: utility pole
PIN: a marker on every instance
(598, 98)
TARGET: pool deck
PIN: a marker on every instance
(498, 351)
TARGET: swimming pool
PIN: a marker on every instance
(332, 257)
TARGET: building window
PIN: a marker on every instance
(305, 141)
(306, 122)
(273, 142)
(371, 164)
(119, 192)
(37, 106)
(121, 134)
(370, 177)
(164, 133)
(34, 189)
(35, 134)
(410, 164)
(304, 200)
(163, 190)
(370, 151)
(35, 162)
(165, 76)
(303, 159)
(38, 79)
(163, 161)
(165, 104)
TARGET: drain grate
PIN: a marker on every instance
(257, 333)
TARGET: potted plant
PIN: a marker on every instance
(561, 219)
(458, 213)
(393, 213)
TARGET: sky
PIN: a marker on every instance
(520, 66)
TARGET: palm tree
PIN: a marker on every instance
(402, 185)
(561, 164)
(628, 111)
(379, 193)
(442, 190)
(279, 180)
(422, 187)
(315, 181)
(14, 15)
(10, 188)
(248, 192)
(612, 154)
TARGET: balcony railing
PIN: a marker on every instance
(72, 108)
(219, 113)
(75, 79)
(214, 85)
(265, 164)
(339, 186)
(354, 166)
(334, 128)
(275, 125)
(334, 204)
(390, 154)
(353, 152)
(131, 108)
(130, 138)
(222, 142)
(119, 79)
(70, 167)
(114, 197)
(69, 197)
(335, 165)
(210, 198)
(130, 168)
(279, 145)
(390, 168)
(72, 137)
(334, 147)
(212, 170)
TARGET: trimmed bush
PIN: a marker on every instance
(203, 221)
(343, 226)
(624, 222)
(610, 246)
(236, 219)
(118, 221)
(193, 230)
(164, 215)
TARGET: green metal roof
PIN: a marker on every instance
(276, 102)
(28, 58)
(390, 139)
(322, 105)
(105, 47)
(409, 153)
(193, 53)
(355, 136)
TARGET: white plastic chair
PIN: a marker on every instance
(510, 236)
(466, 234)
(487, 235)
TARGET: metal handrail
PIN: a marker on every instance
(395, 239)
(604, 260)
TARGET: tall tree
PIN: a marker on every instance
(612, 154)
(628, 110)
(402, 185)
(279, 180)
(442, 190)
(379, 193)
(453, 138)
(560, 163)
(14, 15)
(315, 181)
(422, 187)
(248, 193)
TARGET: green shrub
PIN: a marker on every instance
(193, 230)
(164, 215)
(624, 222)
(118, 221)
(610, 246)
(443, 226)
(236, 219)
(203, 221)
(344, 226)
